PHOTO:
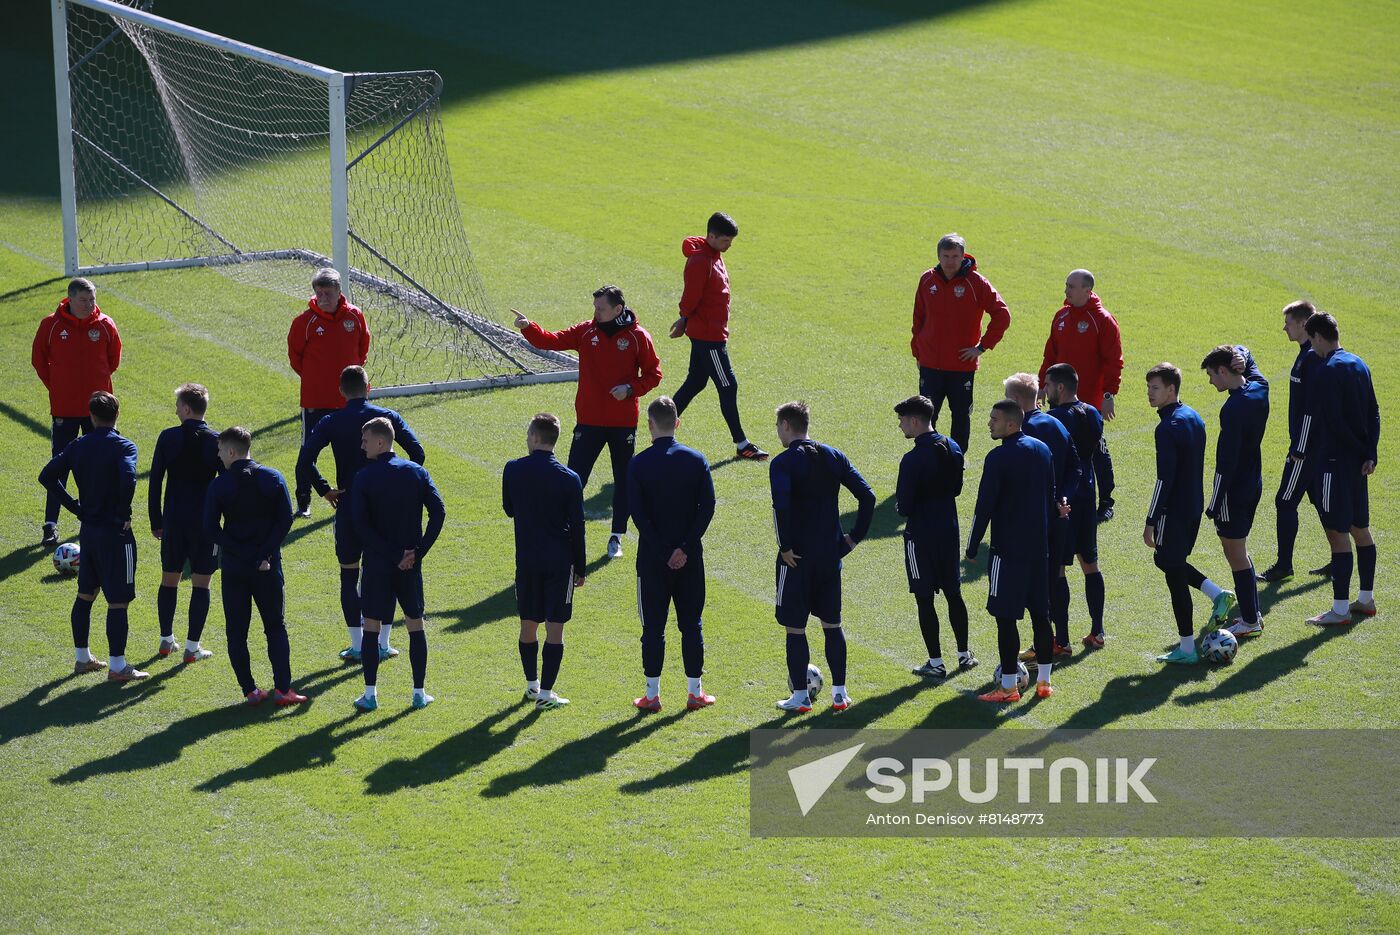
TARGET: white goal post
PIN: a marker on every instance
(182, 148)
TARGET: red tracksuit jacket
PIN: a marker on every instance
(705, 299)
(320, 346)
(1088, 340)
(605, 360)
(948, 317)
(75, 358)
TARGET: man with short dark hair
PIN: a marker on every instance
(248, 513)
(545, 499)
(1174, 513)
(328, 336)
(76, 350)
(186, 460)
(341, 431)
(1016, 496)
(387, 502)
(704, 319)
(672, 499)
(617, 366)
(806, 480)
(103, 464)
(1345, 408)
(930, 479)
(948, 339)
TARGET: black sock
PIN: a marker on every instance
(1093, 596)
(1192, 576)
(1341, 575)
(369, 655)
(1008, 644)
(928, 624)
(957, 617)
(835, 653)
(165, 609)
(1059, 608)
(1247, 593)
(1286, 524)
(530, 659)
(116, 630)
(350, 596)
(1180, 589)
(1366, 566)
(798, 657)
(418, 656)
(199, 612)
(553, 656)
(81, 619)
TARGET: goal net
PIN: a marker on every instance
(182, 148)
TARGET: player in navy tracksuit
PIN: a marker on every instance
(1024, 388)
(1239, 481)
(103, 465)
(1017, 497)
(1344, 405)
(545, 499)
(1085, 426)
(387, 504)
(186, 459)
(341, 431)
(1174, 513)
(806, 479)
(930, 479)
(1300, 467)
(672, 499)
(247, 513)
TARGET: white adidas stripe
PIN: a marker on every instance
(130, 563)
(782, 580)
(719, 370)
(1156, 492)
(913, 561)
(640, 615)
(995, 576)
(1303, 435)
(1292, 480)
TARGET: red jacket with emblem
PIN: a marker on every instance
(1088, 340)
(617, 352)
(948, 317)
(320, 346)
(75, 357)
(705, 299)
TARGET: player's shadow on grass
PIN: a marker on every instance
(31, 713)
(582, 757)
(599, 506)
(884, 524)
(166, 745)
(976, 569)
(15, 293)
(272, 427)
(307, 529)
(452, 757)
(25, 420)
(1265, 668)
(305, 751)
(21, 560)
(1271, 593)
(496, 607)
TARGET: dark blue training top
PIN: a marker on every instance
(1345, 405)
(341, 430)
(1302, 380)
(103, 464)
(671, 497)
(1085, 426)
(252, 502)
(1181, 457)
(1238, 461)
(1017, 497)
(930, 479)
(545, 499)
(188, 456)
(1046, 428)
(387, 503)
(806, 480)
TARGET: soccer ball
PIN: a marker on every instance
(1023, 676)
(1219, 646)
(65, 558)
(814, 681)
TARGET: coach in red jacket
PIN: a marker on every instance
(76, 350)
(948, 337)
(617, 365)
(1085, 335)
(330, 335)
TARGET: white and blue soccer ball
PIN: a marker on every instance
(65, 558)
(1023, 676)
(1219, 646)
(814, 681)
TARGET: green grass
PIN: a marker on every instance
(1209, 162)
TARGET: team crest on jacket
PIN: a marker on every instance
(348, 324)
(94, 334)
(623, 344)
(958, 291)
(1083, 326)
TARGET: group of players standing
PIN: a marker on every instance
(1043, 490)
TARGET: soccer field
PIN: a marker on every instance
(1208, 162)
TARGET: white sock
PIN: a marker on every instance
(191, 646)
(419, 693)
(1366, 597)
(838, 690)
(617, 536)
(546, 694)
(964, 654)
(1042, 674)
(384, 629)
(356, 634)
(693, 686)
(84, 654)
(800, 697)
(935, 662)
(740, 446)
(116, 663)
(168, 639)
(1341, 606)
(1210, 589)
(533, 686)
(1188, 644)
(1008, 682)
(653, 686)
(371, 691)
